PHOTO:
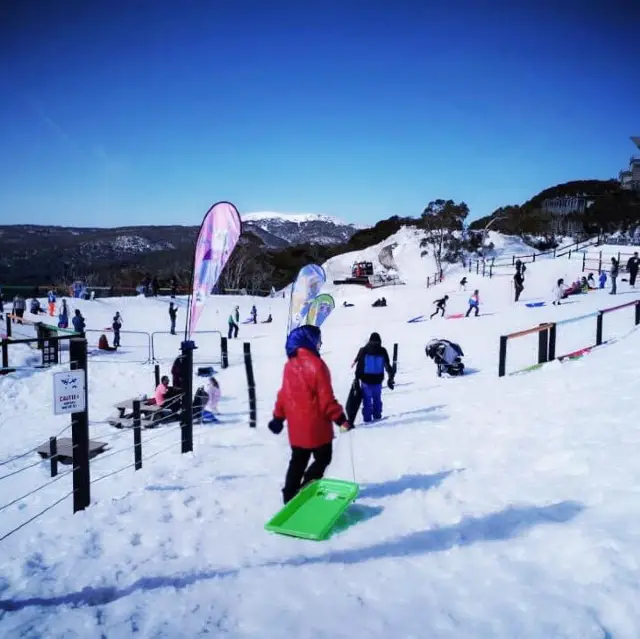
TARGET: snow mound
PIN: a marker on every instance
(412, 267)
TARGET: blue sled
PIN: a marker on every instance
(420, 318)
(535, 304)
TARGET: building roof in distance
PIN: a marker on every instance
(636, 140)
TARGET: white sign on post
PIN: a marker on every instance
(69, 392)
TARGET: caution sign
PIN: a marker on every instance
(69, 390)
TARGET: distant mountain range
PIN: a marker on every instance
(43, 254)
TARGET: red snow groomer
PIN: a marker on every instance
(361, 273)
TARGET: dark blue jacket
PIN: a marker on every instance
(372, 361)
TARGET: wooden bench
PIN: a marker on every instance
(65, 449)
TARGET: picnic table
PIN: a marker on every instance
(151, 415)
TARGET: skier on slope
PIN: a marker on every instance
(371, 363)
(307, 403)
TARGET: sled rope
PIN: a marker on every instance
(353, 466)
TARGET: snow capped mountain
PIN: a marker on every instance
(300, 228)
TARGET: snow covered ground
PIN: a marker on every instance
(489, 507)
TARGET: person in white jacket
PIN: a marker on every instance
(213, 397)
(558, 292)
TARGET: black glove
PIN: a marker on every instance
(276, 425)
(391, 383)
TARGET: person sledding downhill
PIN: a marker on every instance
(371, 363)
(307, 403)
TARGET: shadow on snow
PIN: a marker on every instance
(506, 524)
(406, 482)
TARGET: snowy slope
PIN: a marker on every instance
(491, 507)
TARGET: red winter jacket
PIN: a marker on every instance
(306, 401)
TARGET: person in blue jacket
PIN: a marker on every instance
(602, 279)
(78, 322)
(371, 363)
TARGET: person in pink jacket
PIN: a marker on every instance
(167, 396)
(474, 303)
(211, 407)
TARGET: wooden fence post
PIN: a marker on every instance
(137, 435)
(80, 431)
(251, 385)
(543, 345)
(502, 361)
(53, 455)
(599, 328)
(224, 349)
(187, 399)
(552, 342)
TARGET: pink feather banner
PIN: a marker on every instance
(219, 234)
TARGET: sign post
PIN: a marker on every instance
(69, 392)
(75, 402)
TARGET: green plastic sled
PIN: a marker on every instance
(314, 511)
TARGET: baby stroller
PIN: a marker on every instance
(447, 356)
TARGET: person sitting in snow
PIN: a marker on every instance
(591, 282)
(441, 305)
(474, 303)
(103, 344)
(34, 306)
(559, 292)
(268, 320)
(371, 363)
(307, 403)
(213, 397)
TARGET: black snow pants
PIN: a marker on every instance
(440, 309)
(298, 475)
(519, 288)
(233, 330)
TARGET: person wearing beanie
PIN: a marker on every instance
(371, 362)
(307, 403)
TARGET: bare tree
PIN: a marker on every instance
(440, 219)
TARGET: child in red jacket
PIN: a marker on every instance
(306, 401)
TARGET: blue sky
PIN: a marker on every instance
(122, 112)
